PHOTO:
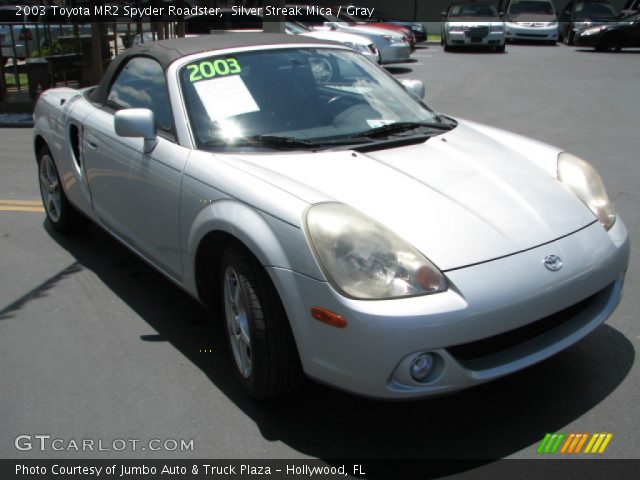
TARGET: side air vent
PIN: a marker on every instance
(74, 138)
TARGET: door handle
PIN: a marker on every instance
(91, 142)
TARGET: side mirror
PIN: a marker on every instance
(414, 86)
(502, 13)
(443, 15)
(331, 25)
(137, 122)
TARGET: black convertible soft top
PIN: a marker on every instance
(167, 51)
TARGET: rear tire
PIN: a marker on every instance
(259, 336)
(64, 218)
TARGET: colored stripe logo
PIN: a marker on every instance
(573, 443)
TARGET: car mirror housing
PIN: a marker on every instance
(443, 15)
(137, 122)
(414, 86)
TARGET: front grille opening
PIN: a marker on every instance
(480, 349)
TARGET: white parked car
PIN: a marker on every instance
(474, 25)
(530, 20)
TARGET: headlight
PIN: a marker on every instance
(456, 29)
(357, 47)
(583, 180)
(592, 31)
(496, 28)
(395, 39)
(581, 25)
(417, 27)
(365, 260)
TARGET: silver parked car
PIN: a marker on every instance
(344, 229)
(358, 43)
(393, 46)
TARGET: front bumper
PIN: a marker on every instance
(371, 356)
(465, 39)
(582, 40)
(515, 31)
(421, 35)
(394, 53)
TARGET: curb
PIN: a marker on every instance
(16, 124)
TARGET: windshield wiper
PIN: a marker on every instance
(400, 127)
(276, 141)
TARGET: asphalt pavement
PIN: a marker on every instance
(96, 345)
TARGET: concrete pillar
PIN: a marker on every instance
(275, 24)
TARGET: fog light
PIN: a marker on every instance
(422, 366)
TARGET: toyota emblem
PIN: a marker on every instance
(552, 262)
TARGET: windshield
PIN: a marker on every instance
(486, 11)
(304, 94)
(590, 10)
(531, 6)
(296, 28)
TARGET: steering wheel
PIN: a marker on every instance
(336, 105)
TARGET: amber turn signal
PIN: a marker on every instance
(326, 316)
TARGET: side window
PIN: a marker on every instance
(142, 84)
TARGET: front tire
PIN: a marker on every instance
(568, 38)
(258, 332)
(64, 218)
(611, 43)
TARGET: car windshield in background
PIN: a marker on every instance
(296, 28)
(298, 98)
(594, 10)
(485, 11)
(531, 6)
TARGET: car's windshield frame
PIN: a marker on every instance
(474, 7)
(577, 14)
(522, 3)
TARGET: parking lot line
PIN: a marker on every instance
(21, 206)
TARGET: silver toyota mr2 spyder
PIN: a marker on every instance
(343, 229)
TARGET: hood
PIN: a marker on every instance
(533, 18)
(461, 198)
(341, 37)
(368, 31)
(474, 20)
(598, 20)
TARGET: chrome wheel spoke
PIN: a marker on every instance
(245, 357)
(55, 203)
(50, 188)
(50, 173)
(237, 321)
(44, 182)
